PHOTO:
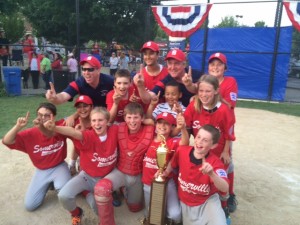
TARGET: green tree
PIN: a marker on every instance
(228, 21)
(122, 20)
(13, 25)
(296, 43)
(8, 7)
(260, 24)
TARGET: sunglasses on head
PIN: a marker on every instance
(88, 69)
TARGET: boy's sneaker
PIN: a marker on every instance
(51, 186)
(232, 203)
(116, 199)
(227, 215)
(145, 221)
(76, 220)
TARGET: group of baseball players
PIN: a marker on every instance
(118, 124)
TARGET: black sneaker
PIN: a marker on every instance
(116, 199)
(232, 203)
(51, 186)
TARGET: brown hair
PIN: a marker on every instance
(123, 73)
(215, 133)
(212, 81)
(48, 106)
(134, 108)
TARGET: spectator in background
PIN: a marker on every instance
(28, 48)
(35, 66)
(96, 51)
(123, 62)
(46, 70)
(4, 47)
(72, 65)
(95, 48)
(113, 64)
(57, 64)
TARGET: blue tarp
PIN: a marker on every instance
(249, 54)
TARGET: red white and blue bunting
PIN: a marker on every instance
(293, 11)
(181, 21)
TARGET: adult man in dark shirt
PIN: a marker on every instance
(92, 83)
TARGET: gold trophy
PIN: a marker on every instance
(158, 187)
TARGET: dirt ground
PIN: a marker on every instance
(267, 178)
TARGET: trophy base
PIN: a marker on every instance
(157, 203)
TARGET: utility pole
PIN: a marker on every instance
(77, 35)
(147, 21)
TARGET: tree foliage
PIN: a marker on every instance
(8, 7)
(121, 20)
(260, 24)
(296, 43)
(13, 26)
(228, 21)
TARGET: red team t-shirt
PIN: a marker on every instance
(221, 117)
(120, 112)
(99, 158)
(228, 90)
(44, 152)
(194, 187)
(149, 163)
(150, 81)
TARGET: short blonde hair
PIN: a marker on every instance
(101, 110)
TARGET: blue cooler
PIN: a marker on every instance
(12, 77)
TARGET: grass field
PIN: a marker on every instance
(14, 107)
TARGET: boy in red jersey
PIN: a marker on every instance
(207, 108)
(122, 94)
(201, 177)
(47, 151)
(228, 89)
(217, 65)
(165, 122)
(134, 139)
(153, 71)
(98, 157)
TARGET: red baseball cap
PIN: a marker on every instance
(219, 56)
(167, 117)
(176, 54)
(150, 45)
(83, 99)
(93, 61)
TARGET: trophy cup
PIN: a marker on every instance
(158, 187)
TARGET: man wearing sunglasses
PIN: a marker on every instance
(92, 83)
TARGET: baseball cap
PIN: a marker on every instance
(167, 117)
(83, 99)
(93, 61)
(150, 45)
(176, 54)
(70, 54)
(219, 56)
